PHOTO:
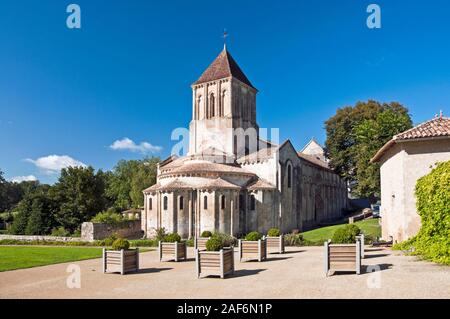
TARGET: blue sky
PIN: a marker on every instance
(127, 72)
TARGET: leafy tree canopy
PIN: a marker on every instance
(355, 134)
(129, 179)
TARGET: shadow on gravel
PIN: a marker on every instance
(151, 270)
(246, 272)
(291, 252)
(276, 259)
(375, 256)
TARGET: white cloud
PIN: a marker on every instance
(20, 179)
(54, 163)
(126, 144)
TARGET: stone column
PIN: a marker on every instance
(232, 213)
(190, 214)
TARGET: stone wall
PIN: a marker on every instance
(97, 231)
(41, 238)
(401, 167)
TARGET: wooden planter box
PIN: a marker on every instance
(361, 239)
(172, 251)
(275, 244)
(343, 257)
(121, 261)
(216, 263)
(200, 242)
(253, 249)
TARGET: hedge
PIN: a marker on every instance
(433, 198)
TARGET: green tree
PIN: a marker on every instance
(354, 135)
(129, 179)
(80, 195)
(35, 214)
(370, 136)
(41, 217)
(2, 192)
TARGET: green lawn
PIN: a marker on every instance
(18, 257)
(369, 227)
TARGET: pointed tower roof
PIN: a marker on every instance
(223, 66)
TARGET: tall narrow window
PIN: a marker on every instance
(247, 145)
(212, 105)
(205, 202)
(181, 205)
(150, 204)
(252, 202)
(222, 104)
(222, 202)
(199, 106)
(165, 203)
(289, 173)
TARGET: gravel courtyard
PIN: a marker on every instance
(297, 274)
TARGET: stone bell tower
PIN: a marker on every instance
(223, 103)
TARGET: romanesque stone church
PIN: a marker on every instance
(233, 180)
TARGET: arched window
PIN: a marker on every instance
(205, 202)
(252, 202)
(181, 205)
(289, 176)
(222, 202)
(212, 105)
(150, 204)
(165, 203)
(247, 145)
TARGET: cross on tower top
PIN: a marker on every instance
(225, 36)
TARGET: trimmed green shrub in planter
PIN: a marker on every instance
(214, 244)
(253, 247)
(172, 247)
(120, 244)
(172, 238)
(206, 233)
(226, 239)
(216, 259)
(346, 234)
(275, 241)
(273, 232)
(253, 236)
(121, 259)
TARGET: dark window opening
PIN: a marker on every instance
(205, 202)
(289, 182)
(181, 203)
(165, 203)
(252, 202)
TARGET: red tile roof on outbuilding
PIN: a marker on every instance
(436, 128)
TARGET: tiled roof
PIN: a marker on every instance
(152, 188)
(221, 183)
(435, 128)
(260, 184)
(204, 167)
(313, 159)
(176, 184)
(224, 66)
